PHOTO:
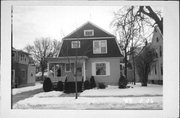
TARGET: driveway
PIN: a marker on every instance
(25, 95)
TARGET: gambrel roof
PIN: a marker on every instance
(86, 42)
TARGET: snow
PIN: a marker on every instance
(25, 89)
(110, 98)
(90, 103)
(137, 90)
(48, 94)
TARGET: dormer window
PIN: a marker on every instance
(88, 32)
(75, 44)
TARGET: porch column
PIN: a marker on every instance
(84, 70)
(48, 69)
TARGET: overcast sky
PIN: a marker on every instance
(31, 22)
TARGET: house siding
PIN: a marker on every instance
(155, 75)
(111, 79)
(31, 75)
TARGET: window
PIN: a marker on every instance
(75, 44)
(160, 51)
(155, 71)
(100, 69)
(99, 46)
(157, 40)
(68, 67)
(59, 72)
(88, 32)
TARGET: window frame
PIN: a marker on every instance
(89, 30)
(72, 46)
(107, 69)
(99, 50)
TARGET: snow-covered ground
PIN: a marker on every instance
(110, 98)
(137, 90)
(90, 103)
(25, 89)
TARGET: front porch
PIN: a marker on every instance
(67, 67)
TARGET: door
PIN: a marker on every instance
(79, 71)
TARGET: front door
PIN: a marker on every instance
(79, 71)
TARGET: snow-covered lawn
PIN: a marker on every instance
(114, 91)
(90, 103)
(25, 89)
(110, 98)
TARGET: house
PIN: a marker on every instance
(23, 73)
(89, 51)
(156, 74)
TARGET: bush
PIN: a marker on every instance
(87, 85)
(92, 82)
(69, 87)
(122, 82)
(47, 84)
(101, 85)
(59, 86)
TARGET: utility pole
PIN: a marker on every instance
(12, 79)
(76, 73)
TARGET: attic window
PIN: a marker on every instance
(88, 32)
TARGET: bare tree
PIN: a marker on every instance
(155, 15)
(130, 23)
(127, 28)
(41, 49)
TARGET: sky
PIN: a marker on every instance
(33, 22)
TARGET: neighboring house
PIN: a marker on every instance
(97, 54)
(23, 73)
(156, 74)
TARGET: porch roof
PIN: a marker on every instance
(66, 58)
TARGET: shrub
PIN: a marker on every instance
(47, 84)
(92, 82)
(70, 87)
(122, 82)
(59, 86)
(87, 85)
(101, 86)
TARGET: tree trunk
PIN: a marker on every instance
(125, 71)
(42, 76)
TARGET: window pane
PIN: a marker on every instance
(103, 43)
(75, 44)
(100, 69)
(103, 49)
(88, 32)
(67, 67)
(96, 47)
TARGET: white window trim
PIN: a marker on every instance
(108, 69)
(76, 42)
(65, 67)
(90, 30)
(99, 41)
